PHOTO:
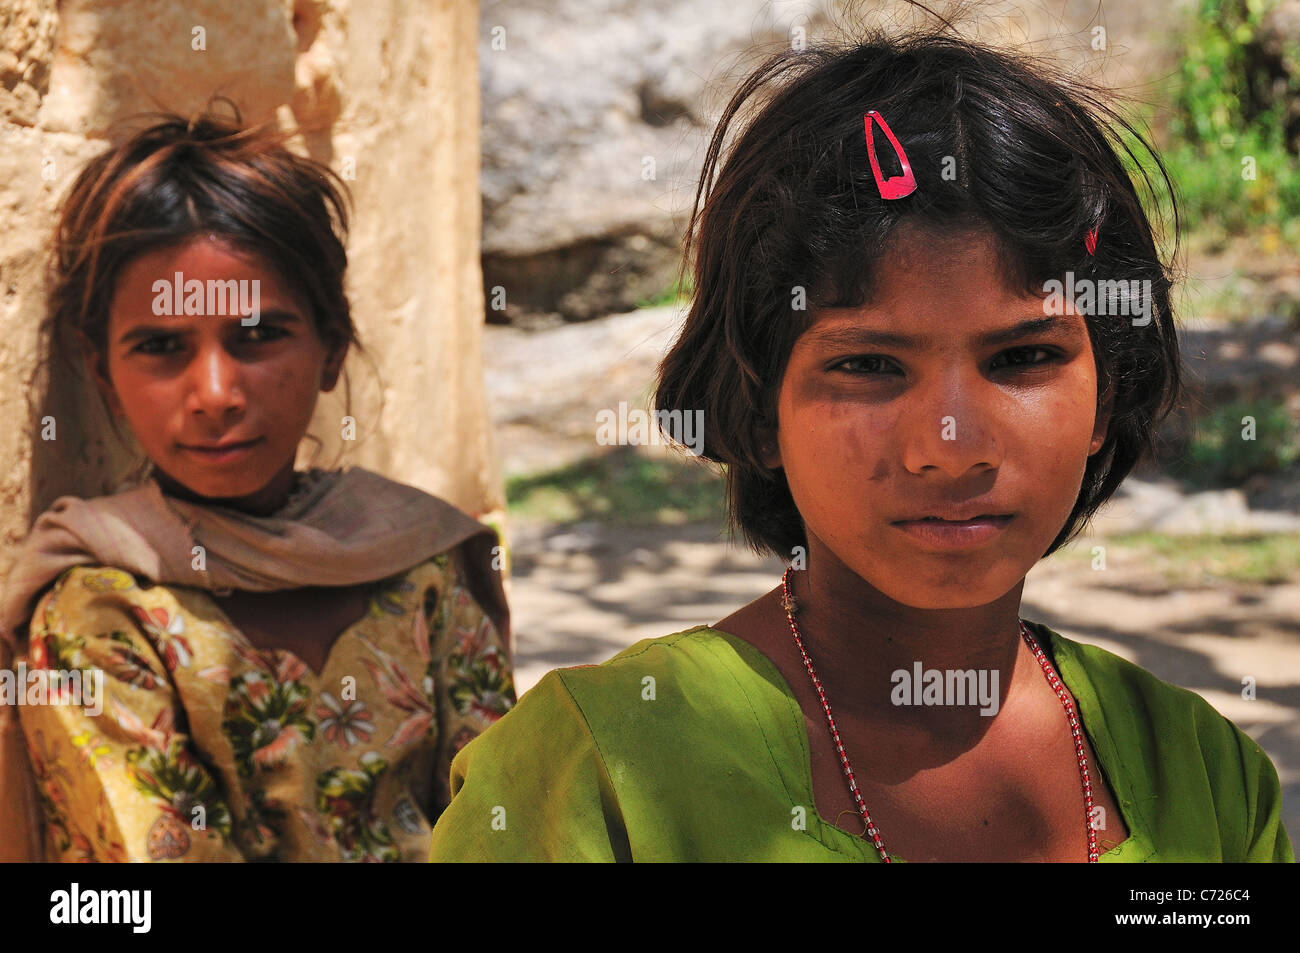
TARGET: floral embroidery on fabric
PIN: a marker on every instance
(167, 838)
(166, 632)
(263, 819)
(219, 674)
(480, 679)
(173, 777)
(128, 665)
(209, 748)
(58, 651)
(91, 749)
(400, 691)
(461, 739)
(346, 796)
(266, 720)
(408, 816)
(315, 824)
(47, 766)
(388, 595)
(108, 580)
(81, 849)
(344, 725)
(155, 736)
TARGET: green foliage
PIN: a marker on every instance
(1211, 560)
(622, 487)
(1219, 455)
(680, 290)
(1219, 122)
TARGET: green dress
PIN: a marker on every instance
(692, 748)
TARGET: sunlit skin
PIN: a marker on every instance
(189, 380)
(860, 436)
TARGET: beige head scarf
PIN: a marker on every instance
(338, 528)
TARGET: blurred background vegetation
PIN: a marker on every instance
(1236, 97)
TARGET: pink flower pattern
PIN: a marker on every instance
(165, 631)
(344, 726)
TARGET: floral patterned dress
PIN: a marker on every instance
(201, 747)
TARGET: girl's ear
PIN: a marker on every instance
(97, 370)
(333, 367)
(1102, 426)
(769, 448)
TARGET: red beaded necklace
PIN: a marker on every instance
(791, 608)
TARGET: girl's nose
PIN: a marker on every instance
(952, 426)
(217, 386)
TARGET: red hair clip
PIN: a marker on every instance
(1090, 241)
(898, 186)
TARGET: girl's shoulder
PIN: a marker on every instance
(673, 749)
(1132, 700)
(664, 695)
(1174, 759)
(696, 659)
(83, 585)
(1133, 710)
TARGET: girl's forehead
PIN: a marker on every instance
(207, 250)
(205, 258)
(912, 246)
(193, 266)
(935, 289)
(941, 280)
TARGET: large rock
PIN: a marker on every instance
(597, 115)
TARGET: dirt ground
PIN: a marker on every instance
(581, 593)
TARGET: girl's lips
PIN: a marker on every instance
(226, 455)
(957, 534)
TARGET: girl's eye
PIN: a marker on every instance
(862, 364)
(276, 332)
(869, 364)
(257, 334)
(1026, 351)
(147, 345)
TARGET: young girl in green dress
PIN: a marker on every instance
(912, 412)
(274, 664)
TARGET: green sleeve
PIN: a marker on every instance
(1267, 840)
(532, 787)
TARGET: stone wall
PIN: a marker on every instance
(391, 91)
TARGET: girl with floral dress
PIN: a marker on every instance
(270, 664)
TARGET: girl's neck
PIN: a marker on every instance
(857, 625)
(860, 641)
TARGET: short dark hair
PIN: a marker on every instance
(179, 177)
(795, 204)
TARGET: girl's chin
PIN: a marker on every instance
(202, 484)
(204, 492)
(943, 585)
